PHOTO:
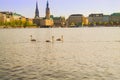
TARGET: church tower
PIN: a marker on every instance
(36, 11)
(47, 11)
(47, 21)
(36, 19)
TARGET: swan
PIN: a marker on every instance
(49, 40)
(60, 39)
(32, 39)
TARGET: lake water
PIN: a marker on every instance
(85, 54)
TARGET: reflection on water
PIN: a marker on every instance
(85, 54)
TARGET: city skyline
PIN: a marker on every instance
(60, 8)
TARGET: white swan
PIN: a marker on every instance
(49, 40)
(32, 38)
(60, 39)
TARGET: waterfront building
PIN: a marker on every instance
(17, 16)
(85, 21)
(95, 19)
(29, 20)
(106, 20)
(75, 20)
(5, 16)
(59, 21)
(2, 17)
(10, 16)
(11, 19)
(23, 19)
(115, 19)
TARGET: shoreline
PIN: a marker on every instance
(3, 27)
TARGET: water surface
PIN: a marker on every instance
(85, 54)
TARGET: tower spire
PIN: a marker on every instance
(36, 11)
(47, 10)
(47, 4)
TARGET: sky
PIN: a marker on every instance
(61, 7)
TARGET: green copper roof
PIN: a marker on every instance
(45, 18)
(17, 14)
(115, 14)
(56, 18)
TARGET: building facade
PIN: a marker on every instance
(10, 19)
(95, 19)
(104, 20)
(2, 18)
(115, 19)
(59, 21)
(85, 21)
(6, 16)
(75, 20)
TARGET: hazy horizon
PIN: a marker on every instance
(61, 7)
